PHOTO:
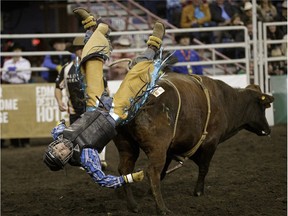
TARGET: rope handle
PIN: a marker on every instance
(120, 61)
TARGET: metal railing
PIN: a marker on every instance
(146, 17)
(211, 47)
(264, 58)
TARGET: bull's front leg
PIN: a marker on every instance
(154, 170)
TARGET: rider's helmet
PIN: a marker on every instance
(58, 154)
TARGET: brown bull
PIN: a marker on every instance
(188, 120)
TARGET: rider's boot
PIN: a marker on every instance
(87, 19)
(154, 43)
(155, 40)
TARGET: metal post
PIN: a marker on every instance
(260, 56)
(255, 47)
(247, 55)
(266, 82)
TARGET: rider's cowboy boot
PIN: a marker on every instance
(155, 40)
(154, 43)
(95, 52)
(88, 21)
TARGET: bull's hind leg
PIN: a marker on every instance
(202, 158)
(128, 154)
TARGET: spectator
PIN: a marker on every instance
(284, 46)
(247, 15)
(239, 5)
(55, 62)
(274, 33)
(221, 13)
(173, 11)
(283, 16)
(186, 55)
(235, 36)
(267, 11)
(119, 70)
(70, 81)
(249, 26)
(197, 14)
(275, 50)
(17, 70)
(277, 67)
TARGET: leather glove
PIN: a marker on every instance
(134, 177)
(58, 130)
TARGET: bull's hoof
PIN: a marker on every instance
(133, 208)
(164, 212)
(198, 193)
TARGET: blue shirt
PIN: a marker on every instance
(90, 161)
(190, 56)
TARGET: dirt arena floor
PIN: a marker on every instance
(247, 177)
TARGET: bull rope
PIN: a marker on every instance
(179, 107)
(189, 153)
(204, 134)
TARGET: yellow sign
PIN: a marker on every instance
(28, 110)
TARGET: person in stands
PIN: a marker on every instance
(197, 14)
(186, 55)
(55, 62)
(17, 70)
(221, 13)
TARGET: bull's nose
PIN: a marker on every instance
(266, 132)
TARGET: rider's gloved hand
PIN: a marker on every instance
(134, 177)
(58, 130)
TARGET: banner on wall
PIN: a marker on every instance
(28, 110)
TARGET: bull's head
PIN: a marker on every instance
(259, 103)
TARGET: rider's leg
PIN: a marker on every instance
(95, 52)
(140, 74)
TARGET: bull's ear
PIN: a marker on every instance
(266, 100)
